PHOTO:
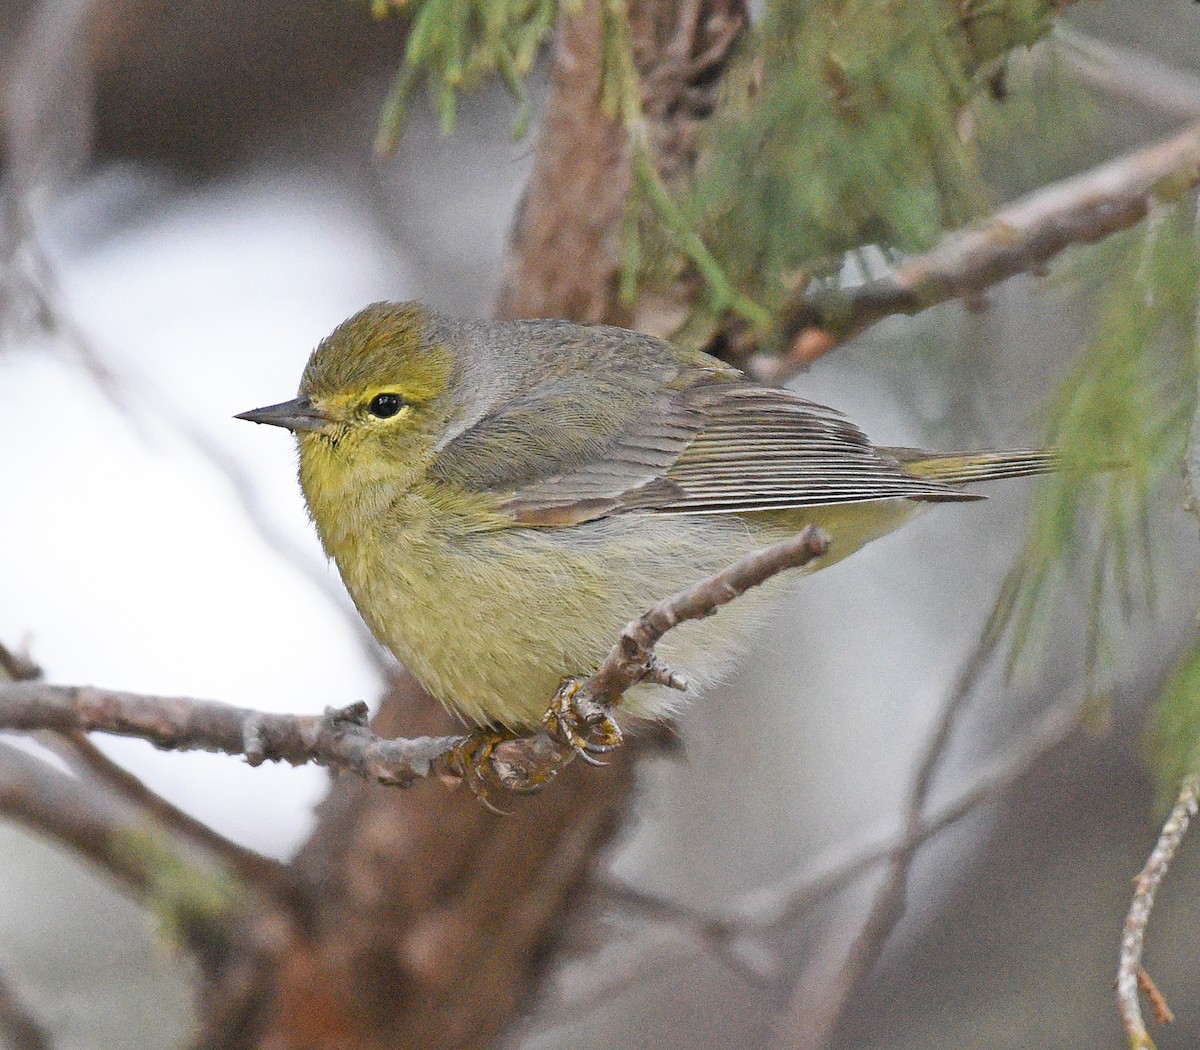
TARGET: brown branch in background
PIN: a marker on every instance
(20, 1028)
(70, 812)
(1129, 968)
(1020, 238)
(86, 758)
(780, 906)
(574, 201)
(564, 257)
(341, 738)
(17, 667)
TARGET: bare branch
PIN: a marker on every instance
(337, 738)
(79, 750)
(19, 1027)
(17, 667)
(341, 739)
(781, 905)
(1129, 969)
(1020, 238)
(1132, 73)
(66, 810)
(632, 659)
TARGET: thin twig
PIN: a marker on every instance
(782, 904)
(726, 939)
(17, 667)
(1020, 238)
(1147, 883)
(341, 738)
(79, 750)
(820, 998)
(1129, 72)
(20, 1028)
(632, 659)
(1163, 1013)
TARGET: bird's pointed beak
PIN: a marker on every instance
(298, 414)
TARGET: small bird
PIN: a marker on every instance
(502, 497)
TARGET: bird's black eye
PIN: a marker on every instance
(384, 406)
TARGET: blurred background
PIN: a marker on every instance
(223, 214)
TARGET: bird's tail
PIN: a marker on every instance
(966, 468)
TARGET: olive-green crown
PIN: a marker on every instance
(383, 345)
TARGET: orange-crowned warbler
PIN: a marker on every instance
(502, 497)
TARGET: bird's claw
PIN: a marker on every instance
(492, 759)
(581, 723)
(473, 760)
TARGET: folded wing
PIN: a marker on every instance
(703, 443)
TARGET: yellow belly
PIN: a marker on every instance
(492, 622)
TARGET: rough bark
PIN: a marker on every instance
(564, 256)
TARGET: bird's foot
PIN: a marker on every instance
(581, 723)
(492, 759)
(473, 760)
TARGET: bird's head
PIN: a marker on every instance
(373, 403)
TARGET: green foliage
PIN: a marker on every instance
(854, 137)
(723, 296)
(620, 87)
(1121, 424)
(849, 136)
(453, 44)
(1174, 737)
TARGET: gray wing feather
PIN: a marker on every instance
(765, 449)
(664, 430)
(703, 443)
